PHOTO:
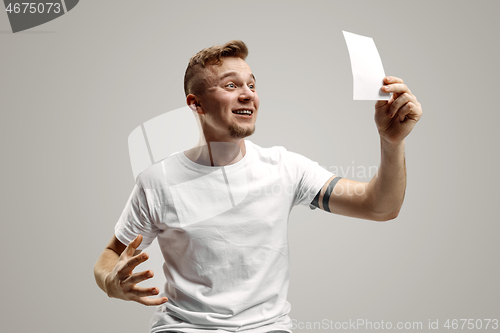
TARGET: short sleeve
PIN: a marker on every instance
(136, 219)
(311, 177)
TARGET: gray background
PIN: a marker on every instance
(73, 89)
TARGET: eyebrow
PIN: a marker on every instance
(234, 73)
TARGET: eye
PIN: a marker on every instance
(231, 85)
(251, 86)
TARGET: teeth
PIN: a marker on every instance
(243, 112)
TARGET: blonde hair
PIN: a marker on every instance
(193, 83)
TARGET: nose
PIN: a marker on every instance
(246, 94)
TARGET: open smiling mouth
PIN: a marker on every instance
(243, 113)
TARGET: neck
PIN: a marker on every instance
(217, 153)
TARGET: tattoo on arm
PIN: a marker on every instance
(326, 196)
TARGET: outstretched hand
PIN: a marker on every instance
(396, 117)
(122, 282)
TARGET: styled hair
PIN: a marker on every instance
(193, 78)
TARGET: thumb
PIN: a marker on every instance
(133, 245)
(381, 103)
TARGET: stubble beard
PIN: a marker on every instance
(238, 132)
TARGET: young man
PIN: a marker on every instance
(220, 210)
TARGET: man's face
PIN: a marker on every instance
(230, 103)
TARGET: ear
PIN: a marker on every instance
(194, 103)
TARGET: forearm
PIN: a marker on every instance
(103, 267)
(386, 190)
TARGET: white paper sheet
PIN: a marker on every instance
(367, 69)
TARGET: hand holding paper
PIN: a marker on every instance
(395, 115)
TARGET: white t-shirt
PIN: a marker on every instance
(223, 235)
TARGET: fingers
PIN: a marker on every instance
(409, 110)
(397, 88)
(141, 294)
(151, 301)
(126, 270)
(403, 112)
(392, 79)
(399, 102)
(394, 85)
(139, 277)
(136, 291)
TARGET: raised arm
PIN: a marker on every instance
(380, 199)
(113, 273)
